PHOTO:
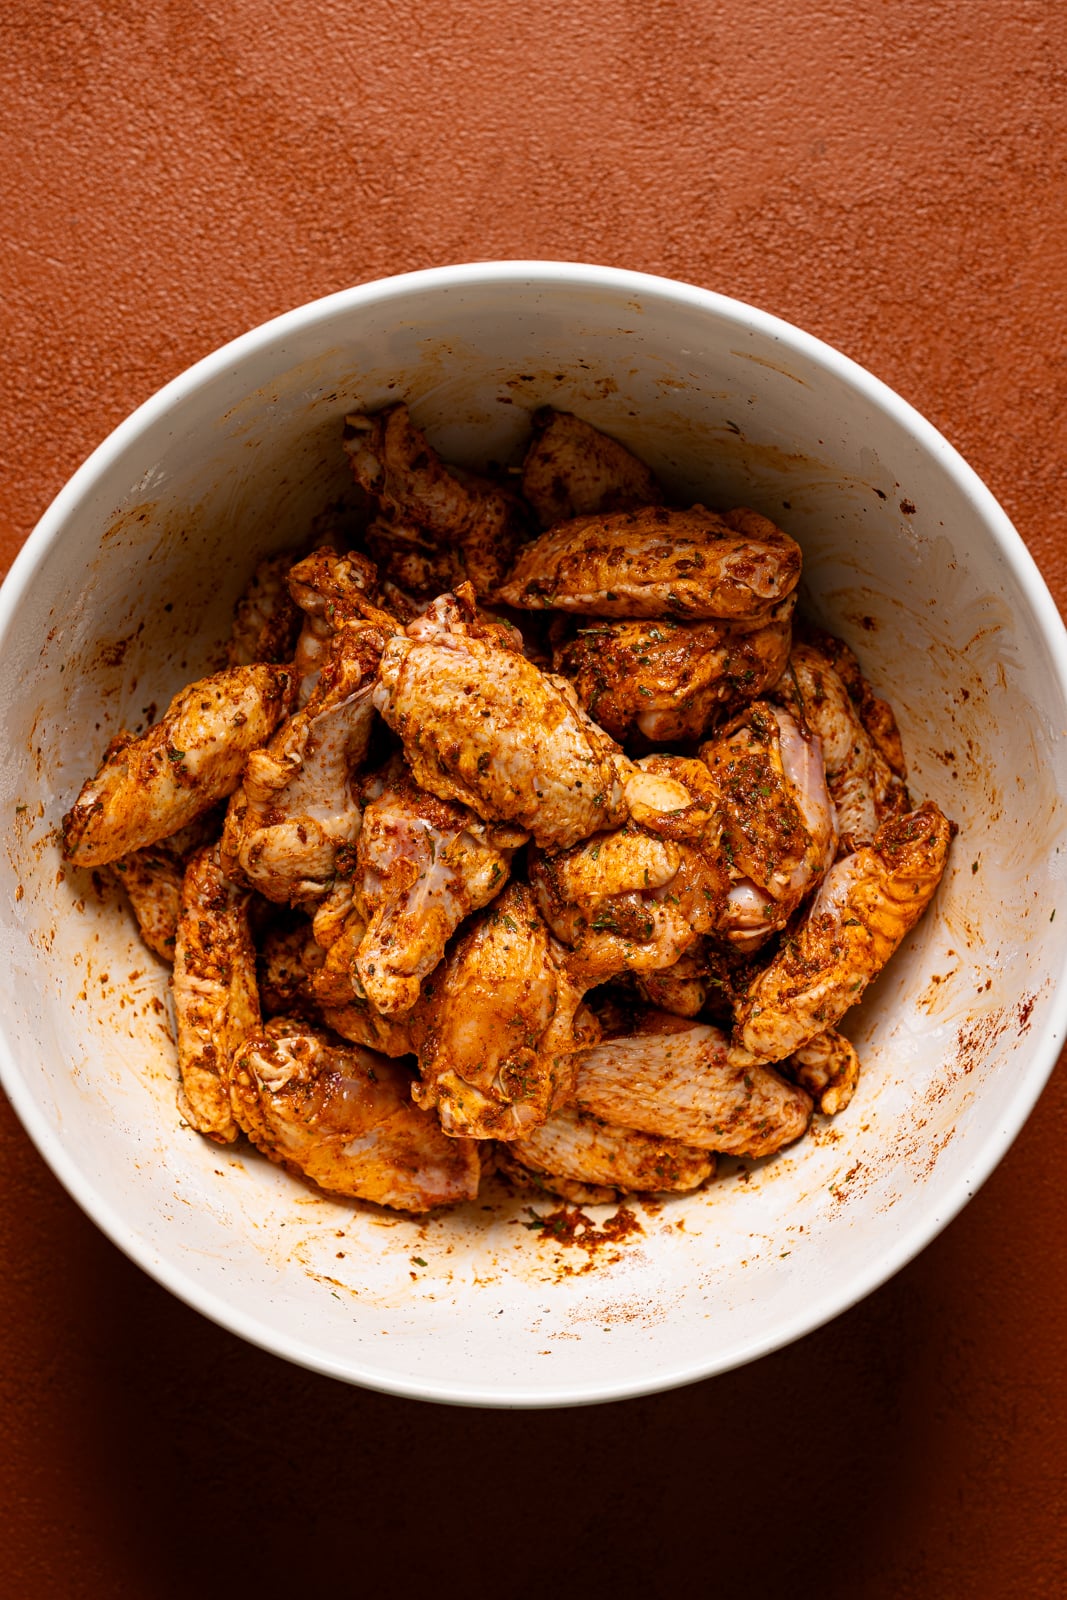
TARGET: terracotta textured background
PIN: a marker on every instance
(892, 178)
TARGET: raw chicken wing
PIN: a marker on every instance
(482, 1023)
(666, 681)
(572, 469)
(681, 1080)
(780, 826)
(828, 1068)
(342, 1116)
(656, 562)
(438, 526)
(295, 809)
(216, 1000)
(483, 726)
(149, 787)
(867, 903)
(590, 1162)
(864, 788)
(421, 866)
(265, 620)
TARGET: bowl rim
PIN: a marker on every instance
(1043, 1050)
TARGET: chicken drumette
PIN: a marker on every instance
(437, 526)
(484, 726)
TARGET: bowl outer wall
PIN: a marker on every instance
(246, 368)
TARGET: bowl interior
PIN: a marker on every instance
(126, 594)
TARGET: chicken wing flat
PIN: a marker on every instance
(868, 902)
(482, 1022)
(571, 469)
(438, 526)
(655, 562)
(864, 788)
(343, 1117)
(421, 866)
(828, 1068)
(216, 1000)
(668, 681)
(265, 621)
(147, 788)
(605, 1162)
(483, 726)
(152, 879)
(780, 824)
(681, 1080)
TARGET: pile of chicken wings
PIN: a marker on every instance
(529, 834)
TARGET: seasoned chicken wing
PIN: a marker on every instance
(483, 726)
(265, 621)
(216, 1000)
(572, 469)
(656, 562)
(591, 1162)
(343, 1117)
(149, 787)
(780, 825)
(486, 1054)
(864, 788)
(828, 1068)
(438, 526)
(876, 715)
(421, 866)
(289, 957)
(683, 988)
(152, 879)
(681, 1080)
(636, 898)
(334, 592)
(295, 809)
(868, 902)
(667, 681)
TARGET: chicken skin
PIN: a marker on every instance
(148, 788)
(331, 592)
(590, 1162)
(343, 1117)
(655, 562)
(421, 866)
(864, 788)
(681, 1080)
(266, 622)
(489, 1057)
(437, 526)
(152, 879)
(667, 681)
(572, 469)
(295, 809)
(216, 999)
(483, 726)
(780, 824)
(868, 902)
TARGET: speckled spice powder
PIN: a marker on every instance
(889, 177)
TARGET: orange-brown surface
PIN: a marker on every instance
(890, 177)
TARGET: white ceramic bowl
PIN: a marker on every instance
(124, 592)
